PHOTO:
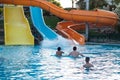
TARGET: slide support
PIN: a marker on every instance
(87, 31)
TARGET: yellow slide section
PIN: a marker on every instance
(16, 27)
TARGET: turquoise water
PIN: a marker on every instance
(40, 63)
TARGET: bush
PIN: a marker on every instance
(117, 10)
(1, 10)
(117, 27)
(51, 21)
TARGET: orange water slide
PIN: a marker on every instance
(68, 30)
(96, 17)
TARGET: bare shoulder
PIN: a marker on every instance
(88, 65)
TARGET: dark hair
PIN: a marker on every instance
(74, 48)
(59, 48)
(87, 59)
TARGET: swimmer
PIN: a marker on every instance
(87, 65)
(59, 52)
(75, 53)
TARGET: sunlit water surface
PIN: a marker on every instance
(40, 63)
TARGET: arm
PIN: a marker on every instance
(81, 54)
(69, 54)
(92, 65)
(62, 52)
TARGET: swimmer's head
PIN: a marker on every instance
(59, 48)
(74, 48)
(87, 59)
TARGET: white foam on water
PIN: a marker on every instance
(60, 41)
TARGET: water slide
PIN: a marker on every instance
(68, 29)
(38, 22)
(81, 16)
(16, 27)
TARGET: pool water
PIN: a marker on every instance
(40, 63)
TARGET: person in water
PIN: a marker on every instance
(59, 52)
(87, 65)
(75, 53)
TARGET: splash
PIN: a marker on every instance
(60, 41)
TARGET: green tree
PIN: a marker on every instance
(116, 2)
(73, 1)
(55, 2)
(80, 4)
(117, 10)
(93, 4)
(113, 4)
(1, 10)
(97, 3)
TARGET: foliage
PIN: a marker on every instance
(73, 1)
(55, 2)
(51, 21)
(117, 10)
(117, 27)
(96, 3)
(81, 4)
(93, 4)
(68, 9)
(116, 2)
(46, 13)
(1, 10)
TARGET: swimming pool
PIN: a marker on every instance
(40, 63)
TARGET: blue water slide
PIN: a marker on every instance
(39, 24)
